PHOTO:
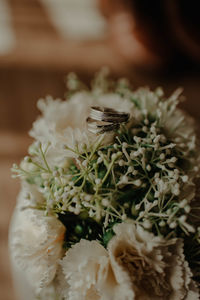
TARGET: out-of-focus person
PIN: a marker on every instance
(151, 34)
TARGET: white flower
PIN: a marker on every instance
(60, 284)
(156, 267)
(36, 243)
(89, 275)
(178, 125)
(64, 122)
(85, 265)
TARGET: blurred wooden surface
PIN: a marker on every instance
(38, 44)
(41, 59)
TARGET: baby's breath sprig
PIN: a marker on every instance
(146, 173)
(141, 176)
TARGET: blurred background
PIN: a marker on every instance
(152, 43)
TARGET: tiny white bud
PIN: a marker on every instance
(75, 199)
(114, 156)
(124, 179)
(156, 139)
(135, 172)
(162, 156)
(105, 202)
(162, 223)
(72, 192)
(137, 182)
(121, 162)
(173, 159)
(87, 197)
(187, 208)
(137, 207)
(183, 203)
(147, 224)
(136, 153)
(119, 153)
(177, 185)
(141, 150)
(148, 168)
(185, 178)
(176, 192)
(91, 213)
(77, 211)
(137, 139)
(155, 202)
(173, 225)
(144, 111)
(141, 214)
(130, 169)
(98, 181)
(125, 145)
(169, 211)
(84, 163)
(99, 160)
(71, 208)
(145, 128)
(124, 217)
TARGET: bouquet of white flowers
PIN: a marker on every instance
(109, 202)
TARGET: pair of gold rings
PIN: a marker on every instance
(104, 119)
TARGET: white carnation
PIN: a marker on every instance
(85, 266)
(156, 267)
(176, 123)
(36, 244)
(89, 275)
(64, 122)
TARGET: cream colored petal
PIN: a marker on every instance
(89, 274)
(153, 267)
(60, 284)
(121, 275)
(85, 266)
(36, 244)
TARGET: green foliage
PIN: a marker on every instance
(147, 173)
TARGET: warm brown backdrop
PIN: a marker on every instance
(37, 67)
